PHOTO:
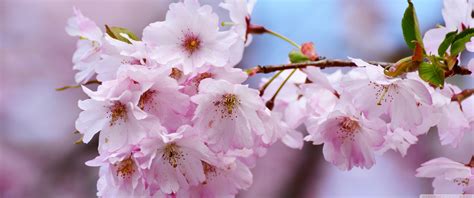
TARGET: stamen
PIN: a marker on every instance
(384, 91)
(191, 43)
(146, 98)
(197, 80)
(461, 181)
(125, 168)
(209, 170)
(176, 73)
(118, 111)
(348, 128)
(226, 105)
(172, 154)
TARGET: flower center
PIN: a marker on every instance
(191, 43)
(125, 168)
(384, 92)
(146, 98)
(176, 73)
(227, 104)
(461, 181)
(172, 154)
(197, 80)
(209, 170)
(348, 128)
(118, 111)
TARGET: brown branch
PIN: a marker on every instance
(320, 63)
(459, 97)
(457, 70)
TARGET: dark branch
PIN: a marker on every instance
(459, 97)
(321, 63)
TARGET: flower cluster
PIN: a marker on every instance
(172, 114)
(363, 112)
(174, 118)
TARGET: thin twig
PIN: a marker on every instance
(77, 86)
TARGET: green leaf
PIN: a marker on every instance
(446, 42)
(115, 32)
(297, 57)
(410, 27)
(459, 43)
(431, 73)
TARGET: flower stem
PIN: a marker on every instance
(262, 90)
(282, 37)
(227, 23)
(272, 100)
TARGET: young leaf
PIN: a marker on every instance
(446, 43)
(115, 32)
(402, 66)
(431, 73)
(410, 27)
(459, 43)
(297, 57)
(418, 52)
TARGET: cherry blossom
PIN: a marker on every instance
(399, 140)
(189, 37)
(120, 173)
(88, 47)
(221, 181)
(385, 95)
(160, 96)
(450, 177)
(228, 114)
(457, 16)
(454, 122)
(175, 118)
(116, 117)
(349, 138)
(176, 159)
(239, 12)
(232, 75)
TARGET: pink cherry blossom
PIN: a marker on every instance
(160, 96)
(176, 159)
(120, 173)
(277, 129)
(349, 138)
(221, 181)
(239, 12)
(175, 118)
(399, 140)
(453, 122)
(457, 16)
(113, 111)
(288, 104)
(119, 55)
(375, 94)
(232, 75)
(189, 37)
(450, 177)
(227, 114)
(88, 47)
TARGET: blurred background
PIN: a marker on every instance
(37, 154)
